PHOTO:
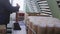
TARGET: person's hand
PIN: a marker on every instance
(18, 6)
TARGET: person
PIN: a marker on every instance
(5, 10)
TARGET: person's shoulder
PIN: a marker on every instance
(2, 1)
